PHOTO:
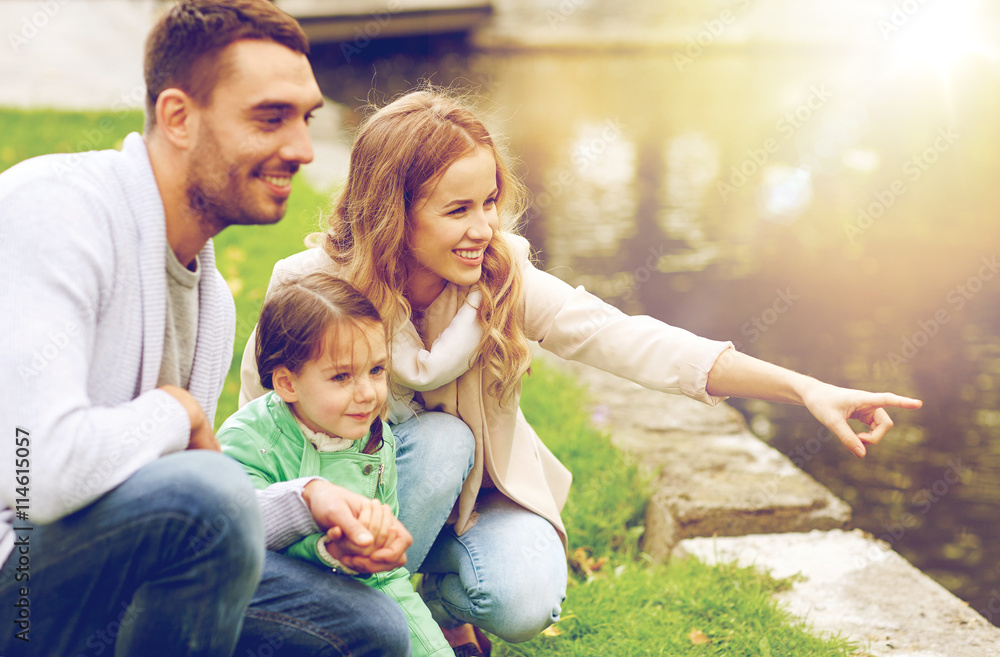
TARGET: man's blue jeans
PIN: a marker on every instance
(162, 565)
(167, 563)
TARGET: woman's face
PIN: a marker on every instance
(449, 229)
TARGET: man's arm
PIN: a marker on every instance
(57, 274)
(202, 435)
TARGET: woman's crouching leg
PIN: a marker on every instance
(506, 575)
(434, 454)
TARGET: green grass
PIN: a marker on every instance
(631, 606)
(627, 605)
(246, 255)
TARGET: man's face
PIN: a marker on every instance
(251, 137)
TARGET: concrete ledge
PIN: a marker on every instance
(721, 494)
(856, 586)
(711, 476)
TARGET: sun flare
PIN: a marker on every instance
(934, 35)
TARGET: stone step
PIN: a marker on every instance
(711, 476)
(852, 584)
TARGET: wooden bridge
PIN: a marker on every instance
(350, 20)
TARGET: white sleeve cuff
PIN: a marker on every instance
(694, 372)
(332, 561)
(286, 516)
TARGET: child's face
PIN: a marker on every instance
(340, 392)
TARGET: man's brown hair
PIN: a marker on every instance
(183, 48)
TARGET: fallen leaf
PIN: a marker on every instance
(698, 637)
(585, 563)
(551, 630)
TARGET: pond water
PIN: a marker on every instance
(830, 210)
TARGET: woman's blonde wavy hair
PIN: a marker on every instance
(399, 154)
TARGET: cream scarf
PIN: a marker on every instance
(452, 330)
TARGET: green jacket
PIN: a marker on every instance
(265, 438)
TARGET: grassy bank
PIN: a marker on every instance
(626, 605)
(618, 604)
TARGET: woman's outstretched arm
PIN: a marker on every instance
(739, 375)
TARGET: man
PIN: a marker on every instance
(123, 529)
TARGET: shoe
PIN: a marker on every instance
(468, 650)
(485, 647)
(481, 648)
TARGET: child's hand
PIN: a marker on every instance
(378, 518)
(387, 552)
(374, 540)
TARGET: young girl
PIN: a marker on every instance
(424, 227)
(321, 349)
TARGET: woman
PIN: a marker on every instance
(424, 229)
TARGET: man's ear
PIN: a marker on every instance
(176, 117)
(283, 381)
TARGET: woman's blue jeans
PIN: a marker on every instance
(507, 574)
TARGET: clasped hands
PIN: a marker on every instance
(361, 533)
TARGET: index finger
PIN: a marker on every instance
(898, 401)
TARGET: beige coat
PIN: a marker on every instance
(569, 322)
